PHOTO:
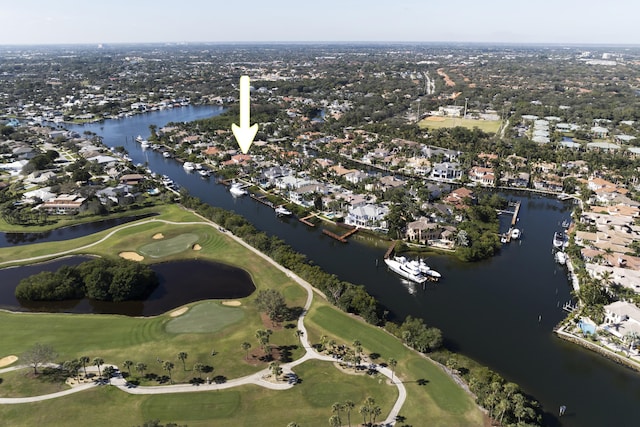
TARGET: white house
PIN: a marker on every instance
(368, 216)
(622, 319)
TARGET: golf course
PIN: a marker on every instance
(202, 364)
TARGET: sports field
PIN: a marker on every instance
(433, 122)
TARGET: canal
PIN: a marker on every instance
(501, 312)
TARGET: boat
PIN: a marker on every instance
(139, 138)
(188, 166)
(145, 144)
(236, 190)
(558, 239)
(399, 265)
(425, 269)
(561, 257)
(203, 173)
(166, 154)
(566, 224)
(282, 211)
(515, 233)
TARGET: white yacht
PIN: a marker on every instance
(236, 190)
(558, 239)
(282, 211)
(405, 269)
(515, 233)
(188, 166)
(425, 269)
(166, 154)
(561, 257)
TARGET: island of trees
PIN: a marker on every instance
(99, 279)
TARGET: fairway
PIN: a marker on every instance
(205, 318)
(489, 126)
(166, 247)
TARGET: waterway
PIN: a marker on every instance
(207, 280)
(501, 311)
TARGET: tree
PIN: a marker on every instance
(39, 355)
(141, 367)
(271, 302)
(335, 421)
(348, 406)
(127, 365)
(336, 408)
(84, 360)
(199, 368)
(98, 361)
(183, 356)
(108, 372)
(246, 346)
(393, 362)
(275, 368)
(168, 366)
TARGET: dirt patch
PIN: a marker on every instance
(179, 312)
(196, 247)
(131, 256)
(269, 324)
(7, 360)
(158, 236)
(435, 119)
(232, 303)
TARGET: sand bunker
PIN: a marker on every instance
(179, 312)
(158, 236)
(196, 247)
(8, 360)
(131, 256)
(232, 303)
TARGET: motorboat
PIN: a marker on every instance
(425, 269)
(204, 173)
(401, 266)
(166, 154)
(516, 233)
(145, 144)
(282, 211)
(139, 138)
(188, 166)
(558, 239)
(236, 190)
(561, 257)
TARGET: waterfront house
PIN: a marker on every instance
(622, 319)
(64, 204)
(369, 216)
(458, 196)
(422, 230)
(131, 179)
(482, 175)
(446, 171)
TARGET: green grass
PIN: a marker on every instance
(165, 247)
(439, 402)
(205, 318)
(22, 383)
(489, 126)
(117, 338)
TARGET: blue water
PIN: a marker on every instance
(587, 328)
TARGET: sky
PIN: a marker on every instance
(474, 21)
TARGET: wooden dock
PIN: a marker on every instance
(342, 238)
(515, 214)
(306, 221)
(391, 249)
(262, 199)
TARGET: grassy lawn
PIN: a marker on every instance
(433, 398)
(308, 403)
(165, 247)
(22, 383)
(212, 334)
(489, 126)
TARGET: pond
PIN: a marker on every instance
(8, 239)
(206, 280)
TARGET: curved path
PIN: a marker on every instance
(258, 378)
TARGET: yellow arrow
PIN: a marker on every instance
(244, 133)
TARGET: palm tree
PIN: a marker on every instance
(108, 372)
(275, 368)
(141, 367)
(335, 421)
(364, 411)
(393, 362)
(246, 346)
(375, 412)
(198, 367)
(348, 406)
(128, 364)
(183, 356)
(299, 333)
(168, 366)
(293, 424)
(98, 361)
(84, 360)
(336, 408)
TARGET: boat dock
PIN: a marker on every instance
(342, 238)
(390, 250)
(306, 221)
(263, 200)
(515, 214)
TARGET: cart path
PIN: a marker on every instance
(259, 378)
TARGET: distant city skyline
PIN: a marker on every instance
(160, 21)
